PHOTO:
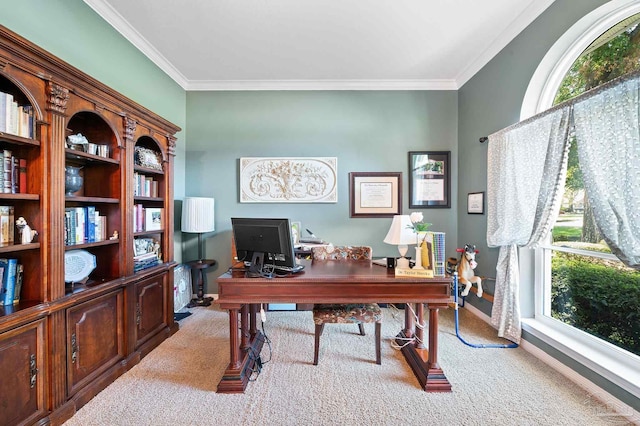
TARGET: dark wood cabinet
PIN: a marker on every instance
(149, 294)
(95, 339)
(22, 361)
(69, 336)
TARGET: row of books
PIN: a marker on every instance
(11, 276)
(84, 225)
(147, 218)
(13, 173)
(145, 261)
(16, 119)
(146, 253)
(7, 225)
(144, 186)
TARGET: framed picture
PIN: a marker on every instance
(375, 194)
(153, 219)
(429, 179)
(475, 203)
(288, 180)
(146, 157)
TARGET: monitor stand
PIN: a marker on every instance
(255, 269)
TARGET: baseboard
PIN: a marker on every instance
(614, 407)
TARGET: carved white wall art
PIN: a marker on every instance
(288, 180)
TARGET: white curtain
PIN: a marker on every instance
(608, 138)
(526, 171)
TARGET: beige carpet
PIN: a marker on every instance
(176, 383)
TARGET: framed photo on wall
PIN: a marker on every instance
(429, 179)
(375, 194)
(475, 203)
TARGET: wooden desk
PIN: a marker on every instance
(333, 282)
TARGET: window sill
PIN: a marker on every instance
(619, 367)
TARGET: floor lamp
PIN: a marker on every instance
(198, 217)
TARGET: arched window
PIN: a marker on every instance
(561, 75)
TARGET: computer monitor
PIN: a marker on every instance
(266, 243)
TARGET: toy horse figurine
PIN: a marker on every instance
(466, 265)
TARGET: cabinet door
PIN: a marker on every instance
(95, 339)
(151, 305)
(22, 388)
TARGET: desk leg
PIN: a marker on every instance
(244, 327)
(242, 352)
(419, 344)
(425, 363)
(233, 339)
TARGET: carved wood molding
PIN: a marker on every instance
(171, 147)
(129, 128)
(58, 97)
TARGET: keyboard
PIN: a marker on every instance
(288, 269)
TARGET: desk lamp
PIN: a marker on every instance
(401, 234)
(198, 217)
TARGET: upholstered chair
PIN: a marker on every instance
(355, 313)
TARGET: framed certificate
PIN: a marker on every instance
(475, 203)
(429, 179)
(375, 194)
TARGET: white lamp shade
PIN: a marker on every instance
(401, 231)
(198, 215)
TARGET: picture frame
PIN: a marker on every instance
(375, 194)
(429, 179)
(288, 180)
(475, 203)
(148, 158)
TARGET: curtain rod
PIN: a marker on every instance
(570, 102)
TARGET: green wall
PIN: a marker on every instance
(72, 31)
(488, 102)
(366, 131)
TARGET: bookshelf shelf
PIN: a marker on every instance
(18, 140)
(18, 247)
(23, 197)
(93, 244)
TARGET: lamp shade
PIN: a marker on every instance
(198, 215)
(401, 231)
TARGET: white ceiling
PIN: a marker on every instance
(320, 44)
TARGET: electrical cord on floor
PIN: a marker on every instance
(258, 362)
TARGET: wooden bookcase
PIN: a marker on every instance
(65, 342)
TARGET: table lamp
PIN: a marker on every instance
(401, 234)
(198, 217)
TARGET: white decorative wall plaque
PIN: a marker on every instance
(288, 180)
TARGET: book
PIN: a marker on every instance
(22, 176)
(7, 167)
(15, 178)
(80, 225)
(90, 224)
(9, 279)
(153, 219)
(19, 278)
(6, 225)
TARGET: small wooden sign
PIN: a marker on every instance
(414, 273)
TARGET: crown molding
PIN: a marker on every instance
(121, 25)
(117, 21)
(523, 20)
(249, 85)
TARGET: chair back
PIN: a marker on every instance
(342, 253)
